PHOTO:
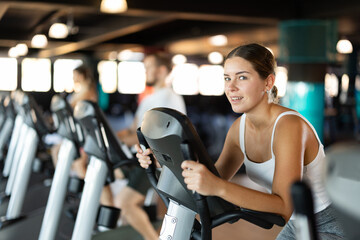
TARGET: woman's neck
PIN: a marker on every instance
(262, 117)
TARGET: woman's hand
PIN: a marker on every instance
(143, 157)
(198, 178)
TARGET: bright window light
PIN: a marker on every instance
(185, 79)
(63, 74)
(211, 80)
(131, 77)
(344, 88)
(8, 74)
(344, 82)
(281, 80)
(36, 74)
(107, 75)
(129, 55)
(331, 85)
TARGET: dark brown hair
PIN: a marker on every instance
(259, 56)
(86, 72)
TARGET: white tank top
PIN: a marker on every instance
(263, 173)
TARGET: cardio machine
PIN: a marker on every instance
(7, 116)
(70, 130)
(31, 129)
(173, 139)
(106, 153)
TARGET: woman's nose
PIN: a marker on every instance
(230, 85)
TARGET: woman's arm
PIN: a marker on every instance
(288, 149)
(199, 178)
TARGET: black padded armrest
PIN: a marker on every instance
(64, 121)
(100, 140)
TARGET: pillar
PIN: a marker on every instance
(306, 47)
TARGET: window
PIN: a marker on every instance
(185, 79)
(63, 74)
(211, 80)
(8, 74)
(36, 74)
(107, 75)
(131, 77)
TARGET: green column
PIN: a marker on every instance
(305, 49)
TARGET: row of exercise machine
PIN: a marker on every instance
(171, 137)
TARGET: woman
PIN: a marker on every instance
(84, 86)
(277, 145)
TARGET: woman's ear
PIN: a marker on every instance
(270, 81)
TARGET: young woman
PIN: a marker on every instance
(277, 145)
(84, 86)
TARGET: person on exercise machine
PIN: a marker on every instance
(131, 198)
(278, 147)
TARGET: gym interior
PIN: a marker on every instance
(317, 49)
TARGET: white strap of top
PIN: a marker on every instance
(242, 133)
(291, 113)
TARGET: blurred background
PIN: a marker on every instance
(316, 44)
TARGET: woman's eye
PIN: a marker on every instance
(227, 79)
(242, 78)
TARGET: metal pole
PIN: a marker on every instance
(67, 154)
(12, 146)
(16, 159)
(177, 223)
(23, 174)
(5, 134)
(95, 177)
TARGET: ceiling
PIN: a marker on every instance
(176, 26)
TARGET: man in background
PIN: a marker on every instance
(131, 198)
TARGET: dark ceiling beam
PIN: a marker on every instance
(81, 5)
(48, 20)
(331, 9)
(72, 47)
(3, 8)
(203, 16)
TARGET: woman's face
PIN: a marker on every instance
(78, 81)
(244, 87)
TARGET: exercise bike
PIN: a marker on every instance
(173, 139)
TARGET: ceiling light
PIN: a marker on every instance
(218, 40)
(13, 52)
(215, 58)
(39, 41)
(58, 30)
(179, 59)
(344, 46)
(113, 6)
(22, 49)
